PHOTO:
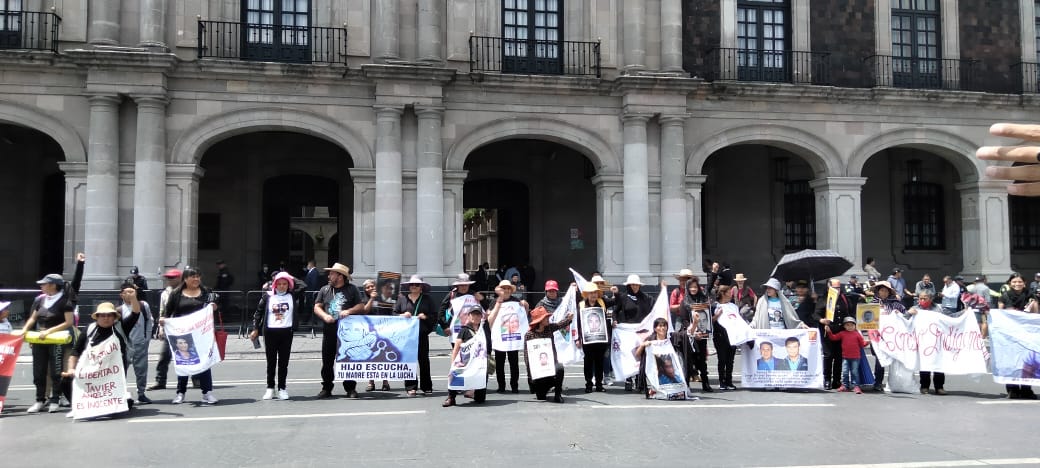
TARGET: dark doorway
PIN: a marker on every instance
(52, 234)
(510, 201)
(283, 201)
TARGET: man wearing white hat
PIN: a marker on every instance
(676, 297)
(336, 300)
(462, 286)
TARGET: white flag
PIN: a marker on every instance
(566, 350)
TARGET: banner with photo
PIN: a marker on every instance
(867, 316)
(99, 388)
(191, 341)
(469, 369)
(831, 304)
(540, 360)
(388, 288)
(10, 346)
(1016, 347)
(783, 358)
(665, 379)
(378, 347)
(930, 341)
(593, 325)
(507, 333)
(738, 331)
(458, 306)
(628, 336)
(567, 351)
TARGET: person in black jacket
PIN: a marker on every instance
(504, 293)
(632, 306)
(106, 318)
(274, 318)
(832, 349)
(417, 303)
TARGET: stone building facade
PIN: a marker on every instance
(661, 132)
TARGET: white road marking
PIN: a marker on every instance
(277, 416)
(928, 464)
(723, 405)
(1009, 402)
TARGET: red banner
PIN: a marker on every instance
(10, 346)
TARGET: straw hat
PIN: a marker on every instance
(506, 284)
(461, 279)
(632, 279)
(105, 308)
(597, 279)
(684, 273)
(884, 284)
(590, 287)
(416, 280)
(340, 268)
(740, 277)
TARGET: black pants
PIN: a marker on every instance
(514, 369)
(725, 353)
(278, 345)
(926, 380)
(541, 386)
(425, 382)
(699, 361)
(594, 356)
(329, 348)
(879, 370)
(162, 368)
(479, 396)
(1020, 391)
(47, 362)
(832, 364)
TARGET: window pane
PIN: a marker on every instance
(552, 5)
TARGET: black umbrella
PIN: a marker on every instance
(811, 264)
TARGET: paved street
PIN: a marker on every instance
(973, 426)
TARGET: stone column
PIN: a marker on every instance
(839, 217)
(182, 214)
(634, 28)
(429, 202)
(153, 25)
(610, 220)
(671, 36)
(150, 186)
(103, 16)
(673, 202)
(363, 264)
(637, 196)
(386, 30)
(101, 232)
(388, 202)
(431, 34)
(454, 181)
(984, 228)
(694, 222)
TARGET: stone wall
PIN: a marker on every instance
(990, 32)
(700, 33)
(845, 29)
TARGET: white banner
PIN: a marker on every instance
(469, 369)
(567, 352)
(628, 336)
(931, 342)
(539, 356)
(664, 372)
(458, 306)
(1016, 347)
(783, 358)
(738, 331)
(99, 388)
(190, 338)
(507, 333)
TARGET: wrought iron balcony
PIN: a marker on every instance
(272, 42)
(1026, 76)
(30, 30)
(774, 66)
(533, 57)
(920, 73)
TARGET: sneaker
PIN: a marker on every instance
(178, 399)
(842, 389)
(325, 394)
(209, 399)
(283, 395)
(558, 399)
(940, 391)
(143, 400)
(353, 395)
(609, 379)
(856, 390)
(35, 408)
(268, 394)
(157, 386)
(64, 402)
(53, 408)
(924, 391)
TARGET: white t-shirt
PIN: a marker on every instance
(280, 311)
(5, 327)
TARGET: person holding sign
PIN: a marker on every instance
(52, 312)
(725, 352)
(474, 317)
(1016, 297)
(886, 297)
(336, 300)
(274, 317)
(660, 334)
(541, 332)
(507, 308)
(107, 322)
(139, 335)
(594, 352)
(188, 298)
(372, 308)
(633, 306)
(925, 303)
(831, 314)
(696, 328)
(417, 304)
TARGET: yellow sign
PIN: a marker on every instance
(867, 316)
(832, 302)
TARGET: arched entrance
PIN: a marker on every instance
(34, 230)
(275, 198)
(757, 205)
(543, 194)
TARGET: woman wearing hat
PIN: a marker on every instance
(633, 305)
(925, 302)
(541, 328)
(505, 293)
(774, 310)
(188, 298)
(743, 296)
(372, 307)
(106, 318)
(724, 351)
(473, 317)
(462, 286)
(274, 318)
(52, 311)
(552, 297)
(417, 304)
(336, 300)
(594, 353)
(885, 296)
(139, 335)
(675, 298)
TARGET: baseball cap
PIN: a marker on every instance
(52, 278)
(552, 285)
(172, 273)
(134, 271)
(897, 270)
(849, 320)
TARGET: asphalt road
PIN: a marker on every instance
(973, 426)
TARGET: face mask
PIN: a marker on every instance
(926, 304)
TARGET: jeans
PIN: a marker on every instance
(140, 363)
(850, 372)
(205, 382)
(514, 369)
(162, 368)
(277, 345)
(425, 382)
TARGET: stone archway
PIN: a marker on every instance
(62, 133)
(821, 155)
(956, 149)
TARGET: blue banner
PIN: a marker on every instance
(373, 347)
(1016, 347)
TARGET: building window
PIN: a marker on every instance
(1025, 231)
(799, 216)
(532, 36)
(276, 30)
(209, 231)
(923, 216)
(10, 24)
(915, 44)
(762, 40)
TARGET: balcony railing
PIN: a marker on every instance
(919, 73)
(1026, 76)
(774, 66)
(533, 57)
(32, 30)
(271, 42)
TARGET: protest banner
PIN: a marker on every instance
(867, 316)
(10, 346)
(378, 347)
(783, 358)
(540, 360)
(628, 336)
(388, 287)
(832, 303)
(593, 325)
(191, 341)
(507, 333)
(469, 368)
(931, 342)
(738, 331)
(665, 378)
(701, 316)
(458, 306)
(567, 351)
(99, 388)
(1016, 347)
